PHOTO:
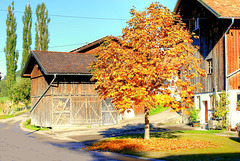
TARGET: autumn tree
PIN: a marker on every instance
(41, 28)
(27, 37)
(151, 62)
(10, 49)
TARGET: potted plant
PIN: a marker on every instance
(194, 117)
(238, 106)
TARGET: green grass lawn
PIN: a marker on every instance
(225, 148)
(157, 110)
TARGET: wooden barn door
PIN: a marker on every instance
(61, 111)
(109, 113)
(86, 110)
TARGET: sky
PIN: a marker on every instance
(73, 23)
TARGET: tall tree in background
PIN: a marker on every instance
(27, 37)
(42, 35)
(151, 61)
(10, 49)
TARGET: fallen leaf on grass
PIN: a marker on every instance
(157, 144)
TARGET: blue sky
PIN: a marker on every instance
(73, 30)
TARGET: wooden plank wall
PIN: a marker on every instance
(38, 82)
(212, 48)
(211, 42)
(41, 115)
(233, 38)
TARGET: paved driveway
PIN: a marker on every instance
(18, 145)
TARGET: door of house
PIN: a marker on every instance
(206, 110)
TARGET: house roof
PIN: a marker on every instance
(220, 8)
(59, 63)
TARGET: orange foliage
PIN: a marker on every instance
(150, 62)
(156, 144)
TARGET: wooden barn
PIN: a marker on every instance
(61, 91)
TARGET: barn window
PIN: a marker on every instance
(209, 66)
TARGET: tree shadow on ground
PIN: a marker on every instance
(128, 129)
(237, 139)
(137, 131)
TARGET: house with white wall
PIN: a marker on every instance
(217, 24)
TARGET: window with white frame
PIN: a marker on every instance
(209, 66)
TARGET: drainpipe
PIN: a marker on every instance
(226, 55)
(226, 60)
(43, 93)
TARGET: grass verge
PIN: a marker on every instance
(27, 124)
(179, 145)
(15, 114)
(157, 110)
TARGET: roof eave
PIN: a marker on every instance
(77, 74)
(209, 8)
(176, 6)
(229, 17)
(25, 66)
(201, 2)
(39, 63)
(79, 49)
(32, 55)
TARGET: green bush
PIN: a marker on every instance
(21, 91)
(194, 115)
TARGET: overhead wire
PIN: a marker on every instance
(93, 18)
(96, 18)
(80, 17)
(57, 46)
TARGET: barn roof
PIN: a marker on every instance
(59, 63)
(220, 8)
(89, 46)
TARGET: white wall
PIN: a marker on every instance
(234, 115)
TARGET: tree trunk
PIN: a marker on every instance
(147, 129)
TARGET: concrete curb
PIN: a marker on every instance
(122, 157)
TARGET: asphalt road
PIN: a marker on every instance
(66, 145)
(18, 145)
